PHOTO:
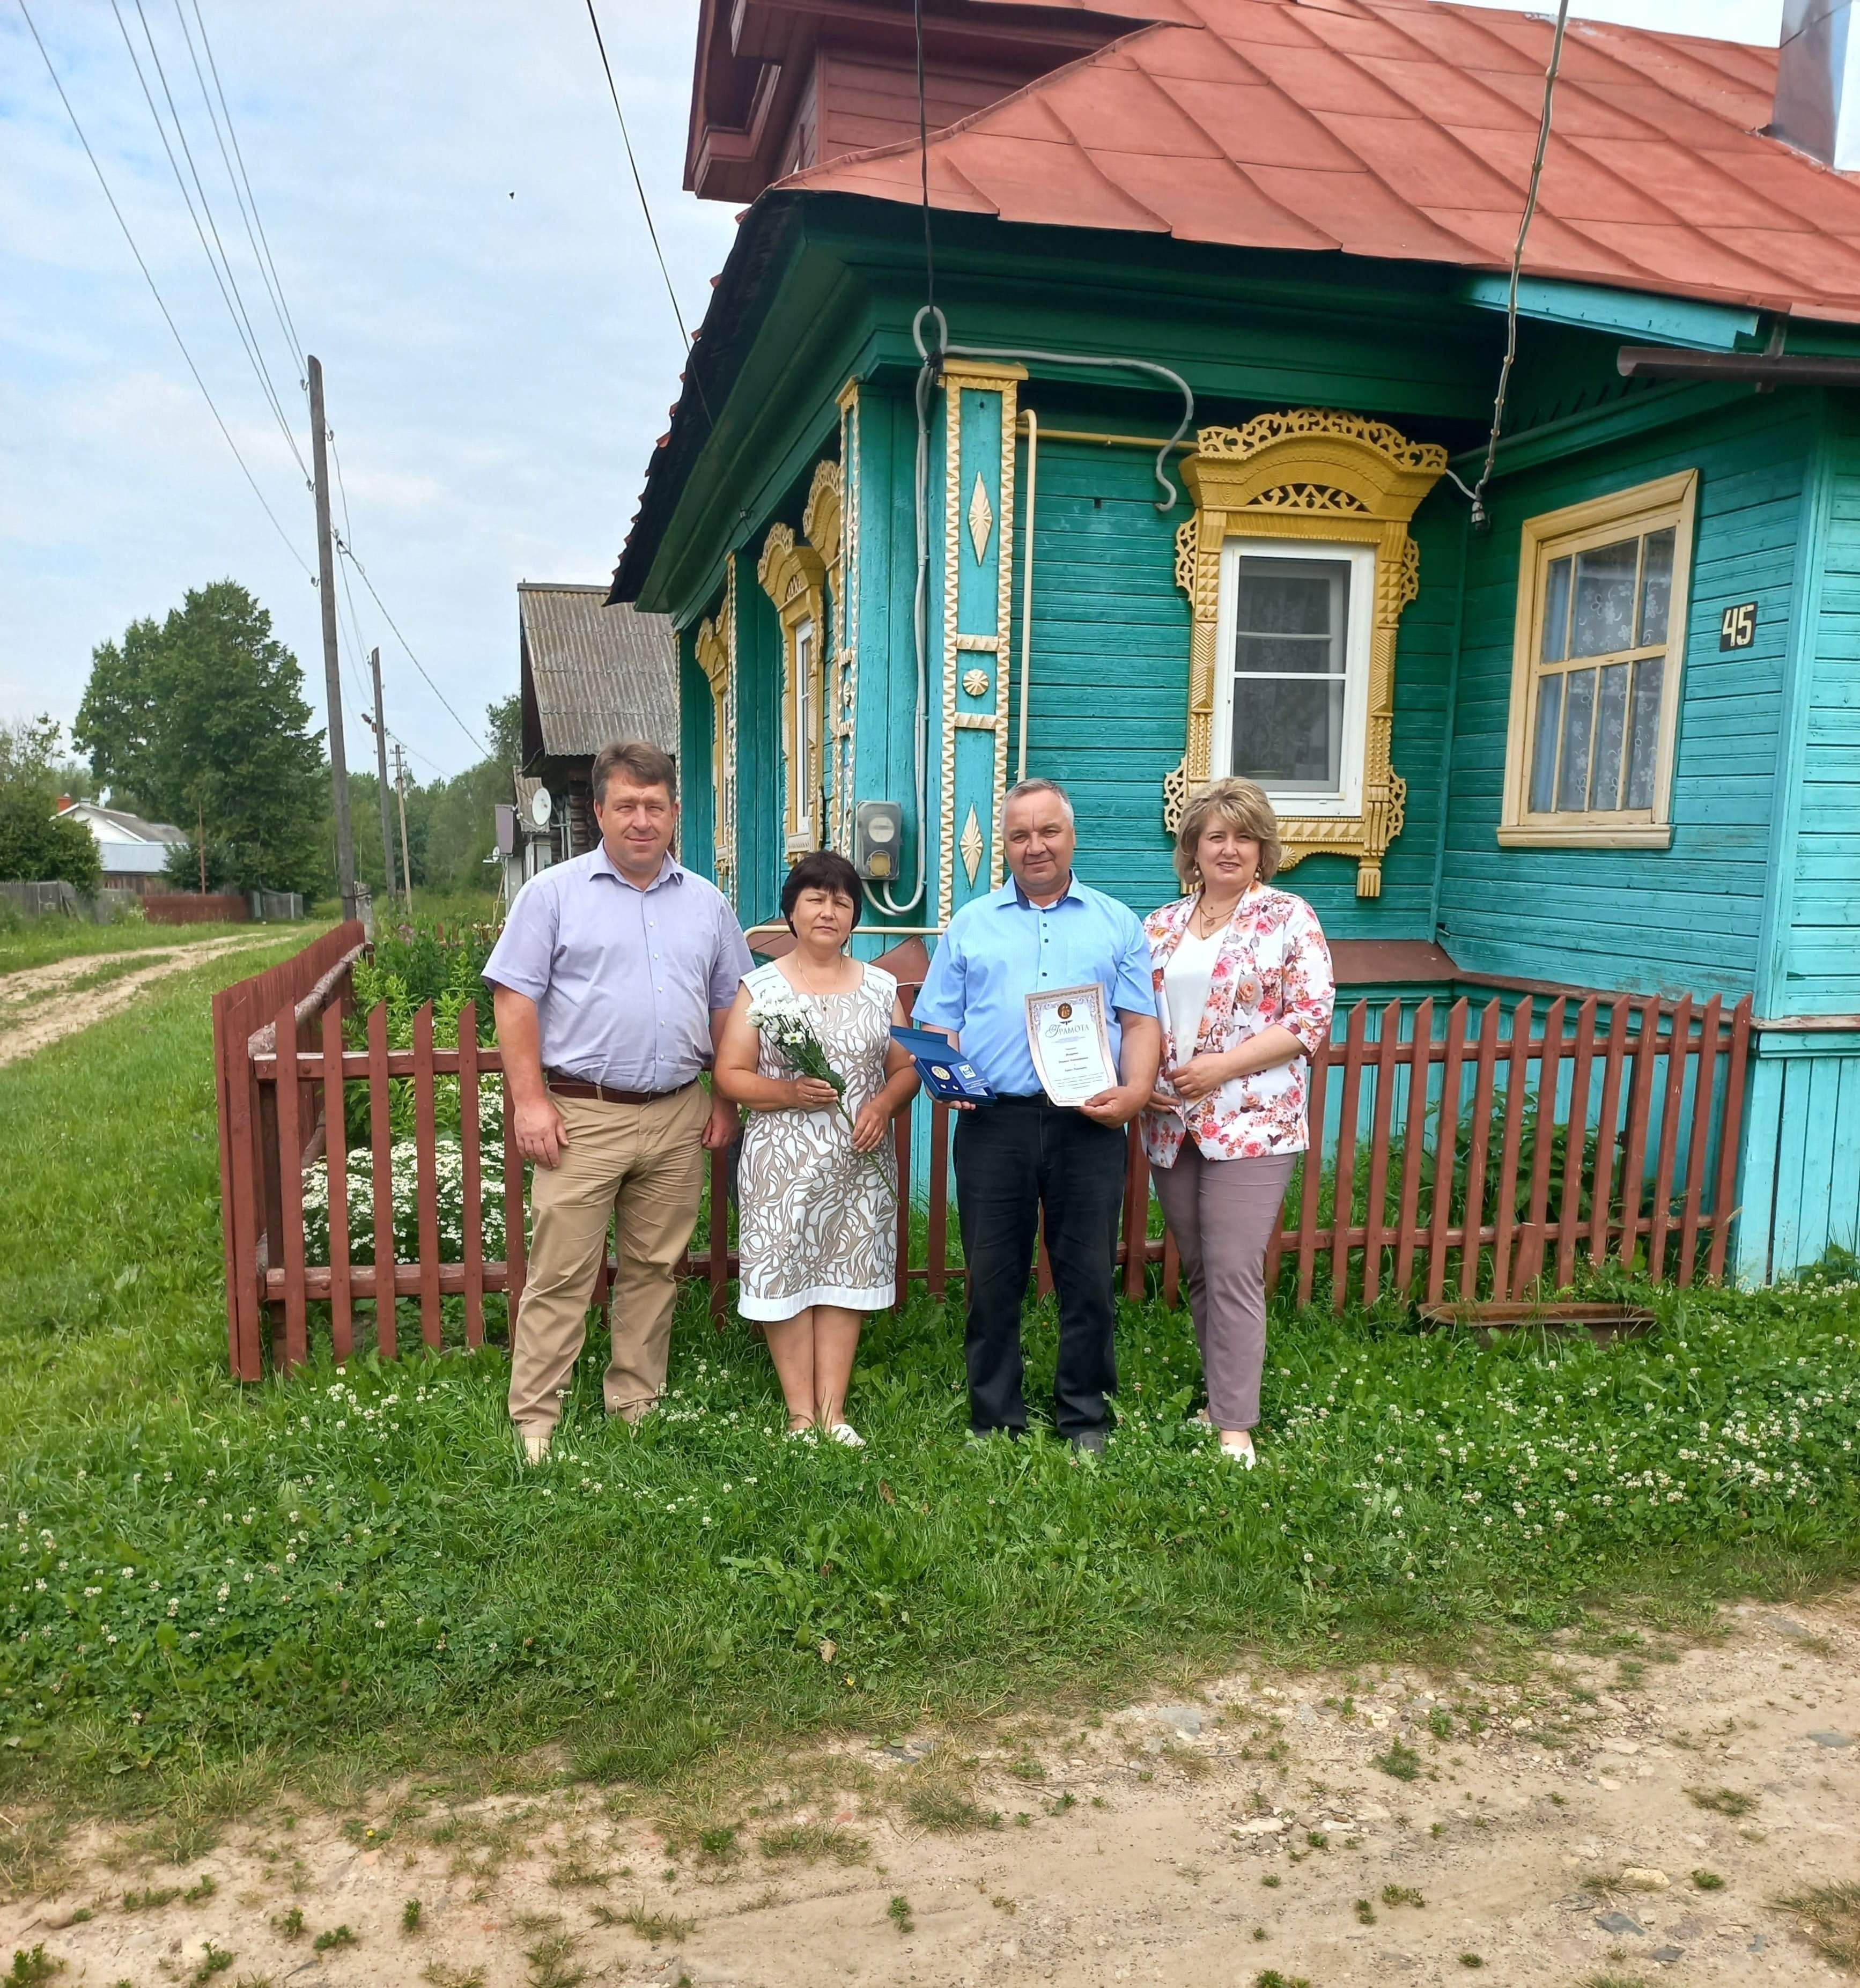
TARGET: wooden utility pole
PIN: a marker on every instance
(332, 676)
(380, 768)
(400, 788)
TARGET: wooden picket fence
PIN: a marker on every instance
(1472, 1151)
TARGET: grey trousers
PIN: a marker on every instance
(1221, 1213)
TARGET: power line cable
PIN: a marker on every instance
(248, 216)
(167, 316)
(241, 323)
(290, 325)
(254, 346)
(923, 156)
(646, 209)
(342, 546)
(1480, 520)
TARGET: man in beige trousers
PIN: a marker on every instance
(611, 981)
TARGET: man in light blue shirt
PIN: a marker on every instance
(1024, 1154)
(611, 982)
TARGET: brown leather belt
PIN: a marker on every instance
(605, 1094)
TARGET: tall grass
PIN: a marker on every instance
(351, 1565)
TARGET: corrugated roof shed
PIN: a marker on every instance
(1404, 128)
(593, 674)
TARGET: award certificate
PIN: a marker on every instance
(1070, 1045)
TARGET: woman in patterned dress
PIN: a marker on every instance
(1243, 984)
(817, 1190)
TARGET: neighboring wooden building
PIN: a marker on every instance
(590, 674)
(1607, 736)
(134, 852)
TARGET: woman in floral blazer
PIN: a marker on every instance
(1243, 984)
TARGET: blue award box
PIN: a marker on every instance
(941, 1066)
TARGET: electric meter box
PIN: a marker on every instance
(878, 835)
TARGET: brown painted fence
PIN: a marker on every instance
(1472, 1150)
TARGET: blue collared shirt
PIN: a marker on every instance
(1000, 948)
(625, 980)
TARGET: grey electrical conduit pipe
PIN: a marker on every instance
(931, 356)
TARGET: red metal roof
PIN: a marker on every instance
(1404, 128)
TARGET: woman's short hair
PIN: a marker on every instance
(825, 870)
(1243, 806)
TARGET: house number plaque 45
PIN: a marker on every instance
(1738, 629)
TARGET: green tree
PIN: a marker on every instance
(36, 846)
(201, 719)
(455, 831)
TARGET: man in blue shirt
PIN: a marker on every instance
(1024, 1154)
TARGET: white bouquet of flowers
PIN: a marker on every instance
(781, 1019)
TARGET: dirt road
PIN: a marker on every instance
(41, 1005)
(1616, 1817)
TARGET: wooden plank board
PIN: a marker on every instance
(1607, 1132)
(1414, 1144)
(426, 1176)
(1531, 1253)
(336, 1162)
(290, 1144)
(1569, 1219)
(471, 1178)
(381, 1138)
(1389, 1041)
(1634, 1159)
(1479, 1146)
(1726, 1187)
(1698, 1137)
(1672, 1096)
(1446, 1144)
(1504, 1215)
(1344, 1176)
(1308, 1209)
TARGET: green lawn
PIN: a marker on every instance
(350, 1565)
(39, 942)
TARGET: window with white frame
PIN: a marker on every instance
(803, 703)
(1291, 692)
(1599, 646)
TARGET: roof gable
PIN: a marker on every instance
(1403, 130)
(593, 674)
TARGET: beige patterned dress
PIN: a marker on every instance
(816, 1222)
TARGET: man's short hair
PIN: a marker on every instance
(1022, 788)
(641, 763)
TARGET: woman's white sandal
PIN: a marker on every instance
(844, 1432)
(1239, 1452)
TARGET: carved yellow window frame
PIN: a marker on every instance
(712, 650)
(822, 523)
(1322, 477)
(794, 574)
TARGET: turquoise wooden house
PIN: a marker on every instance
(1221, 292)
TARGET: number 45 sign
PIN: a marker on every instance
(1738, 629)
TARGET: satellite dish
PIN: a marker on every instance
(540, 807)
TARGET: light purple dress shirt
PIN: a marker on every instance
(625, 980)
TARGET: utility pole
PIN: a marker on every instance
(332, 678)
(400, 788)
(380, 768)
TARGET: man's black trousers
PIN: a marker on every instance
(1013, 1159)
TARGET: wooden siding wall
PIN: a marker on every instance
(1820, 970)
(1110, 682)
(697, 803)
(760, 837)
(1687, 917)
(861, 104)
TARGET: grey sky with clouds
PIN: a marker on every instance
(444, 192)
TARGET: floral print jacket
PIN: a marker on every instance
(1273, 968)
